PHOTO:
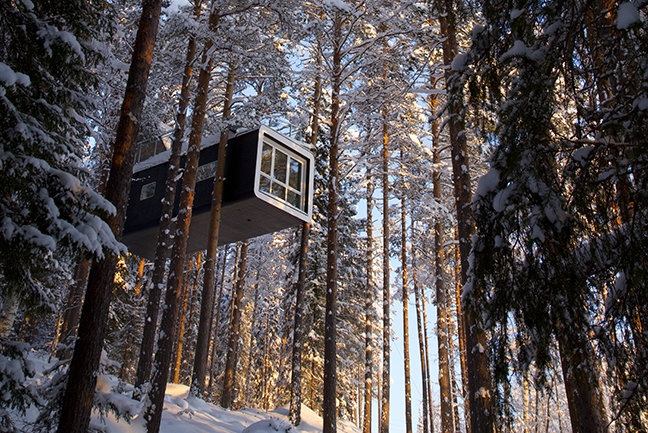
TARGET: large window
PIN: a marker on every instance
(283, 175)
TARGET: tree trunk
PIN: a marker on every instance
(207, 304)
(428, 426)
(153, 412)
(479, 380)
(10, 306)
(384, 413)
(330, 372)
(190, 293)
(145, 362)
(427, 363)
(216, 328)
(140, 277)
(406, 358)
(443, 338)
(128, 356)
(235, 326)
(461, 335)
(296, 376)
(525, 402)
(584, 397)
(79, 393)
(452, 359)
(73, 309)
(369, 309)
(251, 342)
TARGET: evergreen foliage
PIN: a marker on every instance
(49, 210)
(554, 211)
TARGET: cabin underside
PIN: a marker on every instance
(240, 220)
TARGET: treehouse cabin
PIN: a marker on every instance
(268, 187)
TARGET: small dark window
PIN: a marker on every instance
(206, 171)
(147, 191)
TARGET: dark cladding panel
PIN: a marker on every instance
(144, 209)
(239, 174)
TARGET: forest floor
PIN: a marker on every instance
(182, 414)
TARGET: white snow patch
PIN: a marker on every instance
(628, 15)
(8, 77)
(28, 4)
(271, 425)
(501, 199)
(482, 392)
(487, 182)
(519, 49)
(175, 6)
(581, 155)
(537, 233)
(338, 5)
(459, 62)
(51, 34)
(476, 30)
(641, 103)
(515, 13)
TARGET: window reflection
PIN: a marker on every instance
(282, 175)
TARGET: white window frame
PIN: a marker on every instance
(299, 153)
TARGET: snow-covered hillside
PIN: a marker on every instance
(183, 414)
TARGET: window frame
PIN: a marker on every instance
(294, 151)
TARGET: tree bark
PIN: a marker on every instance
(207, 304)
(443, 339)
(461, 334)
(190, 293)
(79, 393)
(296, 377)
(427, 363)
(369, 308)
(153, 411)
(235, 326)
(525, 402)
(422, 343)
(330, 350)
(216, 328)
(479, 380)
(73, 309)
(406, 358)
(298, 333)
(145, 362)
(584, 396)
(384, 405)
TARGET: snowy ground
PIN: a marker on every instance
(186, 414)
(183, 414)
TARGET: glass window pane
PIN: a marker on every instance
(147, 191)
(278, 191)
(294, 199)
(280, 166)
(266, 159)
(206, 171)
(264, 184)
(295, 174)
